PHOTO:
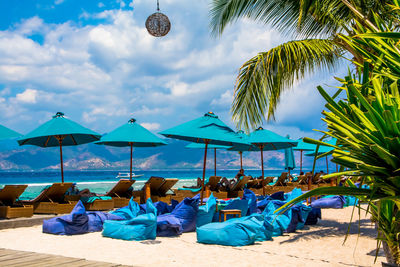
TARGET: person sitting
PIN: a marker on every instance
(239, 174)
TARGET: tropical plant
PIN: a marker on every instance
(316, 27)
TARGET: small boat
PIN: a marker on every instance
(123, 175)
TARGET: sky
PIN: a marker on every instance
(95, 61)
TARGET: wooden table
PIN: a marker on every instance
(236, 213)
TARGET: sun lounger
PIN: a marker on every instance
(166, 186)
(52, 200)
(238, 187)
(281, 180)
(157, 188)
(9, 206)
(120, 193)
(213, 182)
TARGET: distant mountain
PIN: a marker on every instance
(98, 157)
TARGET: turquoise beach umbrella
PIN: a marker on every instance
(290, 163)
(303, 146)
(202, 146)
(59, 131)
(322, 150)
(266, 140)
(243, 148)
(131, 134)
(208, 129)
(6, 133)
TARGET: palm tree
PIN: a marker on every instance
(315, 27)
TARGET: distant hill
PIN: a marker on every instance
(98, 157)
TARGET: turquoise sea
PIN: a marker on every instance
(101, 181)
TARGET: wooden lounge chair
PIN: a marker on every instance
(9, 206)
(155, 189)
(281, 180)
(166, 186)
(213, 182)
(120, 193)
(316, 178)
(52, 201)
(236, 190)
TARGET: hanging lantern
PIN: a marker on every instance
(158, 24)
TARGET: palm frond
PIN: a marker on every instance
(263, 79)
(305, 18)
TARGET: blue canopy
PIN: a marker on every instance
(202, 146)
(131, 134)
(59, 131)
(266, 140)
(59, 128)
(6, 133)
(301, 145)
(208, 129)
(322, 149)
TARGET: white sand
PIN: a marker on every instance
(318, 245)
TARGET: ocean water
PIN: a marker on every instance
(102, 181)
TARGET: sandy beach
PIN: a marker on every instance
(318, 245)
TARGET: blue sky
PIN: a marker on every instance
(95, 61)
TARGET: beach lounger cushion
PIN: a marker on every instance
(182, 219)
(206, 212)
(142, 227)
(331, 202)
(77, 222)
(94, 198)
(235, 232)
(252, 201)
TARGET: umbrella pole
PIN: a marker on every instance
(131, 162)
(215, 162)
(241, 159)
(262, 166)
(301, 160)
(60, 139)
(204, 172)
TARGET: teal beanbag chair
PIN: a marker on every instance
(279, 222)
(206, 212)
(234, 232)
(142, 227)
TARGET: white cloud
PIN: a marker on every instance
(27, 96)
(103, 74)
(58, 2)
(151, 126)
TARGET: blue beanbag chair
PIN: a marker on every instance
(350, 201)
(278, 195)
(128, 212)
(142, 227)
(234, 204)
(77, 222)
(161, 207)
(206, 212)
(235, 232)
(252, 199)
(293, 194)
(279, 222)
(313, 216)
(305, 211)
(182, 219)
(332, 202)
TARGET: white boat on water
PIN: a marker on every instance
(123, 175)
